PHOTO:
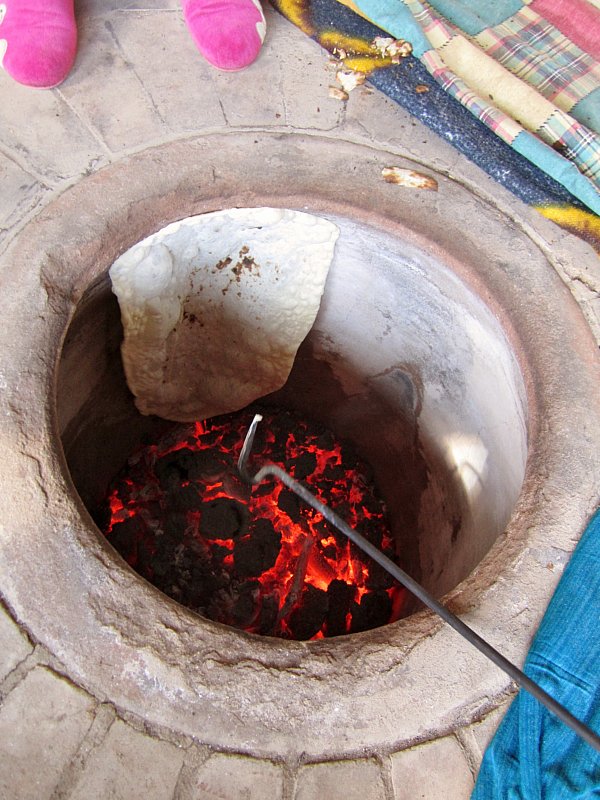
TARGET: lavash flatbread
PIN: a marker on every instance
(215, 307)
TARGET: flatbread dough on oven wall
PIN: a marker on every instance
(215, 307)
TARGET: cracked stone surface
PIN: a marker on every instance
(352, 780)
(223, 776)
(129, 765)
(42, 722)
(438, 769)
(139, 83)
(14, 647)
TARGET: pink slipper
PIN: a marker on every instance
(38, 40)
(228, 33)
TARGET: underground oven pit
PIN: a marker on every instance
(446, 350)
(404, 363)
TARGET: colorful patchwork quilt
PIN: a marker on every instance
(512, 84)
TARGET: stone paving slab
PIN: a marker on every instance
(59, 148)
(342, 780)
(164, 59)
(21, 192)
(481, 733)
(14, 646)
(432, 771)
(308, 65)
(106, 92)
(254, 97)
(87, 8)
(222, 777)
(129, 765)
(42, 722)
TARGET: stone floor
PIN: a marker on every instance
(138, 82)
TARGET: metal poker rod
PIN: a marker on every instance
(459, 626)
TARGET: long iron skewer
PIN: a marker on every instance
(409, 583)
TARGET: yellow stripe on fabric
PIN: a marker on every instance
(351, 44)
(583, 223)
(491, 81)
(298, 13)
(360, 56)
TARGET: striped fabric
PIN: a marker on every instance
(519, 74)
(574, 141)
(539, 62)
(502, 125)
(538, 53)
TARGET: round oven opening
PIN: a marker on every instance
(404, 361)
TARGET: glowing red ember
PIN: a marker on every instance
(257, 559)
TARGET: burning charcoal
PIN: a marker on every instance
(124, 537)
(244, 608)
(220, 607)
(263, 489)
(236, 488)
(198, 581)
(330, 552)
(199, 589)
(326, 441)
(373, 531)
(171, 470)
(244, 611)
(308, 617)
(256, 553)
(298, 579)
(173, 537)
(175, 524)
(219, 552)
(342, 508)
(260, 435)
(231, 440)
(206, 466)
(165, 554)
(152, 509)
(373, 505)
(162, 562)
(289, 504)
(379, 578)
(368, 474)
(303, 466)
(182, 498)
(374, 610)
(340, 596)
(268, 615)
(334, 472)
(223, 518)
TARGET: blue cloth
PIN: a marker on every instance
(533, 755)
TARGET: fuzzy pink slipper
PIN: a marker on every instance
(228, 33)
(38, 40)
